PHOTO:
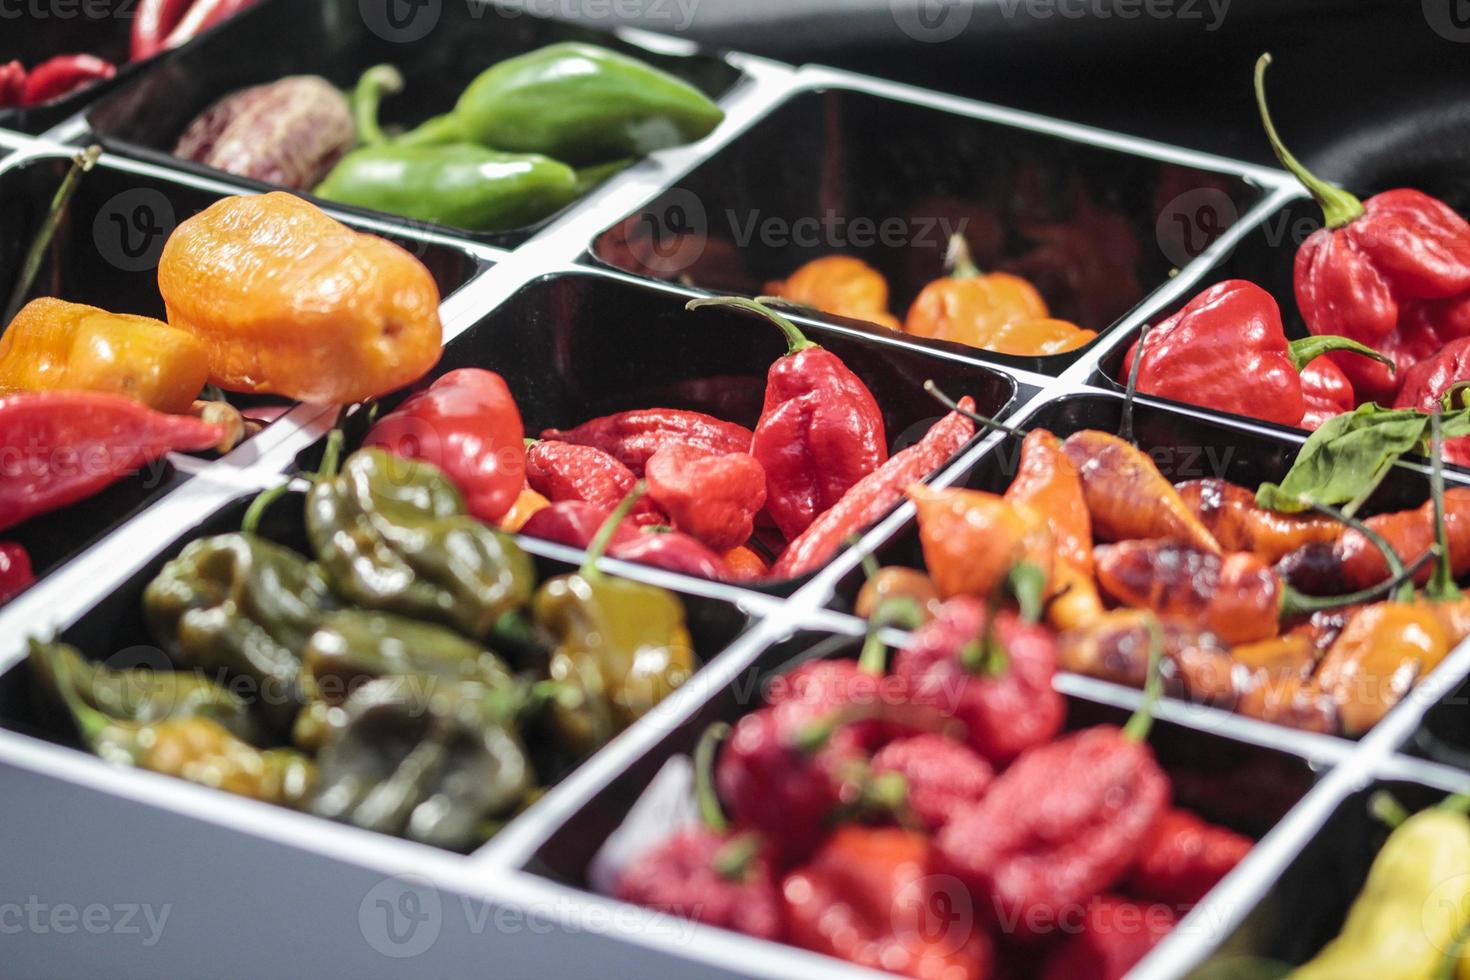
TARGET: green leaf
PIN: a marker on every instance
(1344, 461)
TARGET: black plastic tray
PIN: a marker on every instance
(34, 32)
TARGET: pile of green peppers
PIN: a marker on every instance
(527, 137)
(409, 678)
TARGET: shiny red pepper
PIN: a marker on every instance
(867, 897)
(1326, 391)
(633, 437)
(712, 498)
(15, 571)
(12, 84)
(575, 523)
(941, 776)
(1115, 935)
(820, 431)
(153, 23)
(1368, 272)
(710, 877)
(1183, 857)
(63, 75)
(1425, 384)
(876, 494)
(563, 471)
(59, 447)
(467, 424)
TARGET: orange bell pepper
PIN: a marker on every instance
(55, 345)
(288, 301)
(840, 285)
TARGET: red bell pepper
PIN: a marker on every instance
(59, 447)
(867, 897)
(1114, 936)
(1183, 857)
(820, 431)
(63, 75)
(1368, 273)
(633, 437)
(712, 498)
(15, 571)
(467, 424)
(941, 776)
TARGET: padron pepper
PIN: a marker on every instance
(392, 534)
(621, 646)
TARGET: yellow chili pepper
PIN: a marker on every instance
(1379, 655)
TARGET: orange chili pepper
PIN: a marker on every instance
(1236, 596)
(528, 503)
(287, 300)
(840, 285)
(1289, 655)
(55, 345)
(1231, 515)
(1127, 497)
(897, 582)
(1039, 338)
(1379, 655)
(745, 565)
(973, 540)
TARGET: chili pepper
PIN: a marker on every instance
(991, 671)
(711, 498)
(1381, 653)
(975, 542)
(1360, 274)
(436, 769)
(896, 583)
(575, 102)
(1115, 935)
(244, 607)
(392, 534)
(820, 431)
(1234, 519)
(840, 285)
(12, 84)
(1184, 857)
(142, 696)
(633, 437)
(1226, 349)
(527, 504)
(1425, 384)
(263, 281)
(290, 132)
(52, 344)
(1127, 497)
(15, 571)
(65, 446)
(1116, 647)
(564, 471)
(200, 17)
(1326, 392)
(1064, 822)
(866, 897)
(154, 22)
(1412, 909)
(62, 75)
(575, 523)
(874, 495)
(467, 424)
(621, 645)
(1292, 702)
(941, 776)
(744, 565)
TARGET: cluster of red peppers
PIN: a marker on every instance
(159, 25)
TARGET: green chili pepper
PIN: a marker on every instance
(392, 535)
(621, 646)
(433, 762)
(239, 604)
(577, 103)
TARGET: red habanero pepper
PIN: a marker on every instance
(633, 437)
(712, 498)
(820, 430)
(563, 471)
(1366, 272)
(64, 446)
(867, 897)
(1326, 391)
(154, 22)
(467, 424)
(63, 75)
(941, 776)
(876, 494)
(994, 677)
(1425, 384)
(575, 523)
(15, 571)
(1115, 935)
(1184, 857)
(12, 84)
(674, 551)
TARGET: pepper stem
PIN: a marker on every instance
(1441, 586)
(1386, 809)
(90, 722)
(1338, 206)
(1293, 603)
(900, 611)
(1390, 556)
(1447, 397)
(957, 259)
(1137, 727)
(376, 82)
(980, 420)
(83, 162)
(1130, 393)
(704, 777)
(796, 341)
(732, 861)
(1306, 350)
(1028, 584)
(250, 523)
(610, 527)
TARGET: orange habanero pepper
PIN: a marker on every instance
(973, 540)
(840, 285)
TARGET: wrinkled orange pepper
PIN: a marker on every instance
(288, 301)
(840, 285)
(973, 540)
(55, 345)
(1127, 497)
(1380, 654)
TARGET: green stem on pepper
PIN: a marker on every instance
(980, 420)
(83, 162)
(1293, 603)
(1386, 809)
(1137, 727)
(1441, 586)
(1391, 558)
(796, 341)
(367, 97)
(604, 536)
(704, 777)
(1125, 424)
(1307, 349)
(1339, 208)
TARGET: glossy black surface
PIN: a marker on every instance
(440, 49)
(843, 172)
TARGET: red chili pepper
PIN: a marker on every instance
(1425, 384)
(820, 430)
(12, 84)
(467, 424)
(1184, 857)
(15, 571)
(1362, 274)
(712, 498)
(713, 878)
(867, 897)
(58, 447)
(575, 523)
(673, 551)
(1115, 935)
(563, 471)
(200, 17)
(63, 75)
(876, 494)
(154, 22)
(996, 681)
(1326, 391)
(941, 776)
(633, 437)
